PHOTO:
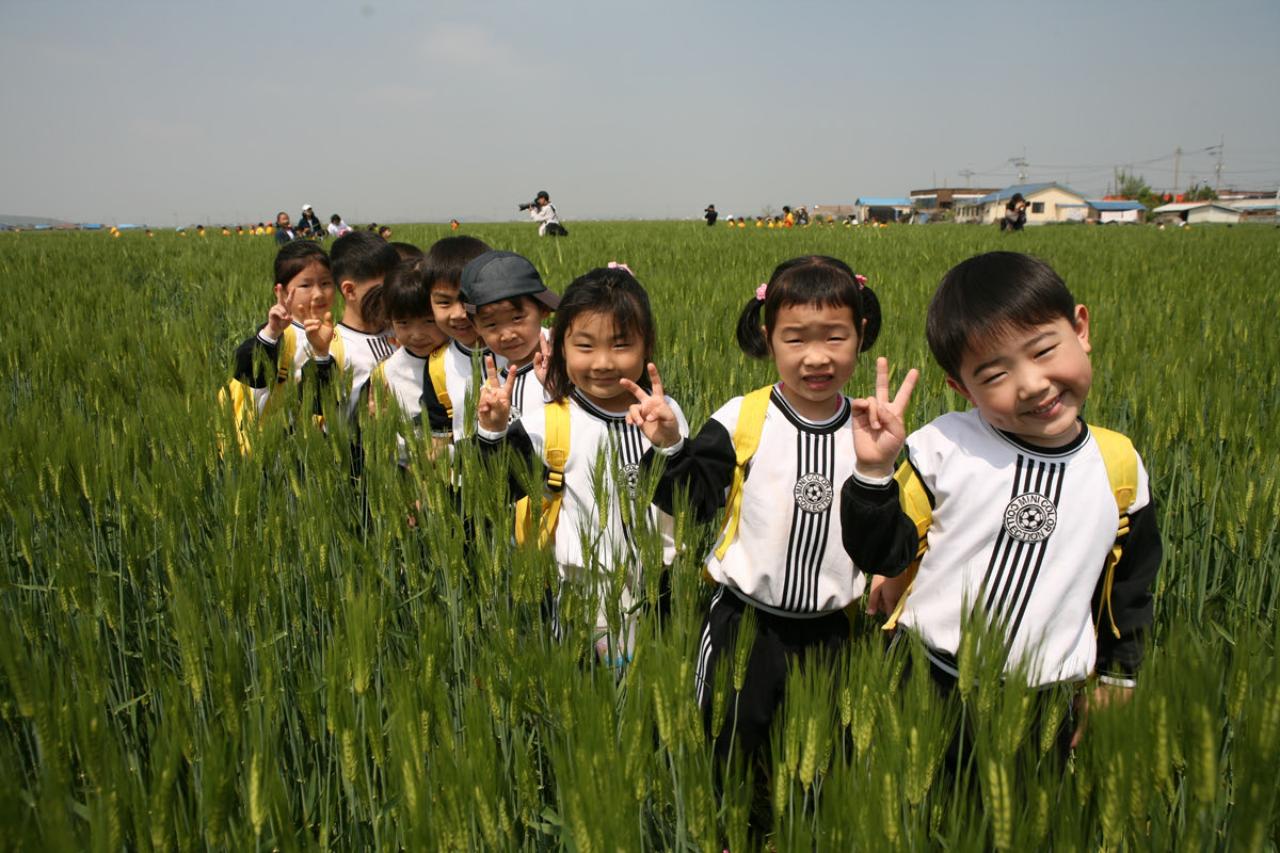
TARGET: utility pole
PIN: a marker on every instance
(1177, 166)
(1217, 183)
(1021, 163)
(967, 174)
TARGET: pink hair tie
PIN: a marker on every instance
(760, 291)
(614, 265)
(860, 279)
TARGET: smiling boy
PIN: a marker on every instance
(1011, 508)
(510, 303)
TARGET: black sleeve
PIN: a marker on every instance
(1131, 600)
(877, 534)
(704, 466)
(438, 419)
(519, 443)
(252, 358)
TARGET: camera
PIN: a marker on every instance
(528, 205)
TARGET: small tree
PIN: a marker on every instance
(1200, 192)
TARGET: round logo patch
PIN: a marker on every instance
(514, 415)
(1030, 517)
(813, 493)
(631, 474)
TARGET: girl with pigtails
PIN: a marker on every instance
(774, 460)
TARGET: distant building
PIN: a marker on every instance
(1196, 212)
(875, 209)
(1109, 210)
(947, 198)
(835, 211)
(1046, 202)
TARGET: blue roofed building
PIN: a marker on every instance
(882, 209)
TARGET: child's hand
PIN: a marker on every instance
(651, 413)
(279, 318)
(878, 430)
(541, 359)
(493, 410)
(1096, 699)
(886, 593)
(319, 333)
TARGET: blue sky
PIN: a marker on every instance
(393, 111)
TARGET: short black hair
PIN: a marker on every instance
(407, 251)
(605, 290)
(361, 256)
(446, 258)
(405, 295)
(809, 280)
(988, 296)
(294, 257)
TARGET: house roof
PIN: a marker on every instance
(1180, 206)
(1027, 190)
(882, 202)
(1116, 204)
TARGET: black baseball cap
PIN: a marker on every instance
(496, 275)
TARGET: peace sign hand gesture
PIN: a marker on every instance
(651, 412)
(542, 358)
(279, 317)
(319, 333)
(493, 409)
(878, 430)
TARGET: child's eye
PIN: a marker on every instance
(1046, 351)
(991, 378)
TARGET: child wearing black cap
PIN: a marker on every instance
(508, 303)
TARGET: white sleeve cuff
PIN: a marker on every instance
(265, 337)
(1117, 681)
(672, 450)
(322, 359)
(489, 435)
(870, 481)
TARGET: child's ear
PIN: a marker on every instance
(958, 386)
(1080, 324)
(348, 288)
(768, 344)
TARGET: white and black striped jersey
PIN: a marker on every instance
(259, 351)
(527, 394)
(787, 556)
(403, 374)
(362, 352)
(1021, 532)
(593, 533)
(458, 380)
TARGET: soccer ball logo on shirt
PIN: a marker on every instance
(1030, 518)
(813, 493)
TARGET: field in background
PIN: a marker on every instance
(200, 650)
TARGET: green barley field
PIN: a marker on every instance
(202, 650)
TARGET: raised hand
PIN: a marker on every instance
(493, 409)
(279, 317)
(319, 333)
(651, 412)
(878, 427)
(541, 359)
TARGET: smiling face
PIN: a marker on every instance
(1031, 381)
(816, 349)
(597, 354)
(419, 335)
(511, 328)
(450, 314)
(310, 292)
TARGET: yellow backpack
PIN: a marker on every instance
(435, 369)
(746, 439)
(238, 396)
(1121, 461)
(556, 451)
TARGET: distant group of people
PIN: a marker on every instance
(789, 218)
(310, 228)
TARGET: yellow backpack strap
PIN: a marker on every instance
(338, 352)
(556, 451)
(237, 397)
(746, 438)
(1121, 461)
(913, 497)
(435, 368)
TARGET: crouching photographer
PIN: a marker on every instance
(542, 211)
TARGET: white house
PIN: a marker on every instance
(1046, 202)
(1196, 212)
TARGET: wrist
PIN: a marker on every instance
(878, 475)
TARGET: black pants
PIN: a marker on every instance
(555, 229)
(779, 642)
